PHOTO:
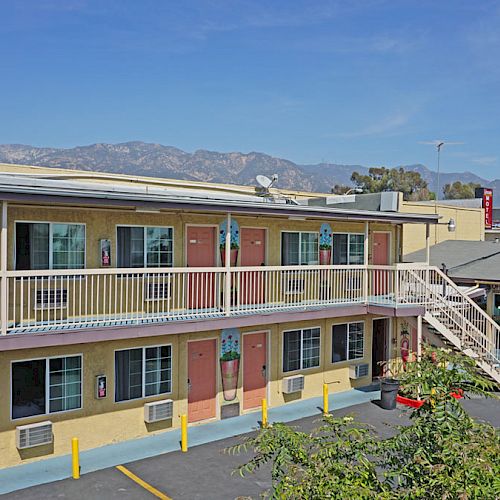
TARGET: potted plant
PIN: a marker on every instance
(229, 365)
(234, 253)
(325, 246)
(440, 370)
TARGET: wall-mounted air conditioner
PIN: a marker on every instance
(51, 299)
(29, 436)
(293, 384)
(358, 371)
(294, 286)
(158, 291)
(159, 410)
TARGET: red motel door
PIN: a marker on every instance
(201, 379)
(253, 253)
(381, 258)
(201, 253)
(254, 369)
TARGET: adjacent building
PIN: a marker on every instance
(474, 265)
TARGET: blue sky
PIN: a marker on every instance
(352, 81)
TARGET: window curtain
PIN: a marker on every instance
(291, 351)
(123, 247)
(289, 249)
(339, 343)
(122, 371)
(340, 249)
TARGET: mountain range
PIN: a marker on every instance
(156, 160)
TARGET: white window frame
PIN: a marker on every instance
(349, 247)
(51, 233)
(47, 385)
(301, 330)
(143, 377)
(300, 233)
(348, 324)
(145, 243)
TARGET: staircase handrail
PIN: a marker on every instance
(442, 299)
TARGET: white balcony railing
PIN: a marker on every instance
(55, 299)
(59, 299)
(39, 301)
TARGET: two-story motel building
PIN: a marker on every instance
(118, 292)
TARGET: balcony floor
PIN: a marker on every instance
(83, 323)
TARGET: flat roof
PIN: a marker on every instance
(23, 184)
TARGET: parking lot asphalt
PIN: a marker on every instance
(206, 472)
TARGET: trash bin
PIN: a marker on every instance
(388, 391)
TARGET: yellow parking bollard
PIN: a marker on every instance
(184, 434)
(325, 399)
(264, 413)
(75, 459)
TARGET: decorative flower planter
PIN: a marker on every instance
(325, 257)
(233, 259)
(415, 403)
(230, 371)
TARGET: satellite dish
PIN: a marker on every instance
(264, 181)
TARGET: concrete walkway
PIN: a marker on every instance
(57, 468)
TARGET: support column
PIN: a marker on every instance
(227, 250)
(427, 244)
(3, 271)
(365, 256)
(419, 337)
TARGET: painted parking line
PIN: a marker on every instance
(142, 483)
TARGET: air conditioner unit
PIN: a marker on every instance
(294, 286)
(29, 436)
(51, 299)
(158, 291)
(358, 371)
(159, 410)
(293, 384)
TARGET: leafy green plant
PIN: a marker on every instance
(444, 372)
(234, 246)
(331, 462)
(444, 454)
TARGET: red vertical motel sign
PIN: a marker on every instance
(488, 208)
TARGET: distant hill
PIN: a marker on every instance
(156, 160)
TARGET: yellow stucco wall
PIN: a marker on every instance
(101, 224)
(469, 225)
(101, 422)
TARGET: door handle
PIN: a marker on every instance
(189, 385)
(264, 371)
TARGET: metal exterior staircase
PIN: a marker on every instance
(453, 315)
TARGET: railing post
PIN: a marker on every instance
(419, 337)
(396, 285)
(227, 252)
(365, 258)
(3, 272)
(427, 243)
